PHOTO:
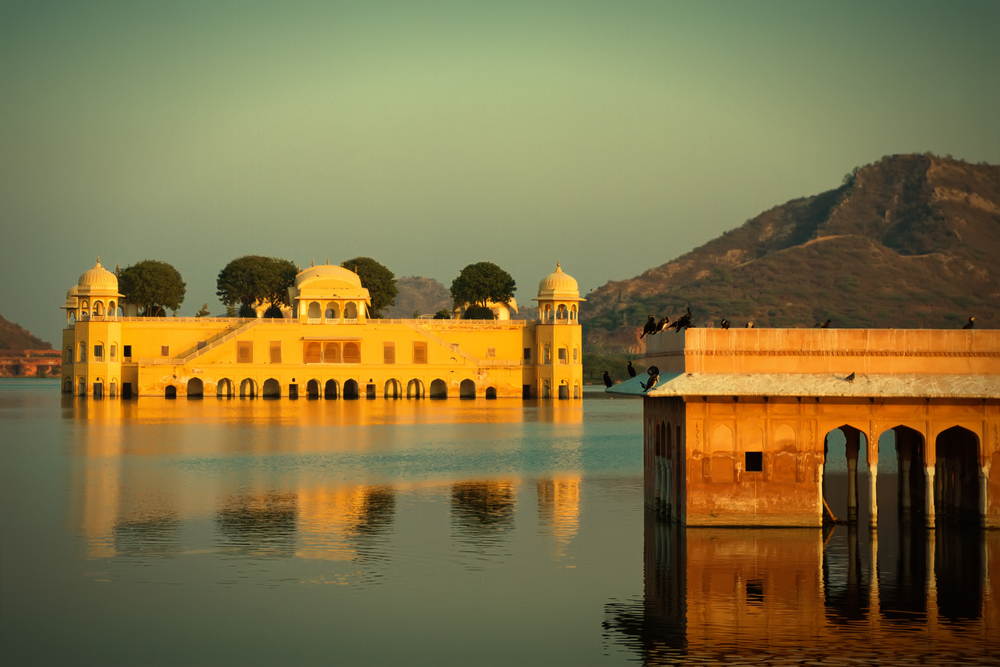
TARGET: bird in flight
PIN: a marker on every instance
(971, 323)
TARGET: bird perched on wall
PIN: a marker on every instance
(649, 328)
(850, 378)
(724, 323)
(971, 323)
(824, 325)
(662, 323)
(682, 322)
(631, 369)
(607, 380)
(749, 325)
(654, 377)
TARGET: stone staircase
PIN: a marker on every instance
(211, 343)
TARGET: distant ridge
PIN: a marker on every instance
(424, 295)
(15, 337)
(912, 241)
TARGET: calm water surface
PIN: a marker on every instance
(430, 532)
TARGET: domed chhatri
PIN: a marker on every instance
(558, 285)
(98, 279)
(323, 345)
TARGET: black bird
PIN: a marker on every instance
(631, 370)
(850, 378)
(825, 325)
(971, 323)
(649, 328)
(662, 323)
(607, 380)
(654, 376)
(683, 321)
(724, 324)
(749, 325)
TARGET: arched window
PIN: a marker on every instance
(546, 389)
(83, 351)
(311, 354)
(85, 310)
(68, 358)
(561, 312)
(572, 313)
(114, 352)
(331, 353)
(98, 308)
(546, 354)
(332, 311)
(351, 311)
(352, 353)
(314, 311)
(112, 312)
(547, 317)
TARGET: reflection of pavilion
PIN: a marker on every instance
(735, 431)
(712, 592)
(559, 509)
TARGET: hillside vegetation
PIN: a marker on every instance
(16, 337)
(911, 241)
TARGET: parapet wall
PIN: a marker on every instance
(864, 351)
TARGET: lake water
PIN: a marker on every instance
(208, 532)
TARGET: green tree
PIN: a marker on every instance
(477, 312)
(378, 280)
(152, 286)
(204, 312)
(482, 283)
(253, 280)
(443, 314)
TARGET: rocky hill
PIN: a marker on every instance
(424, 295)
(908, 242)
(15, 337)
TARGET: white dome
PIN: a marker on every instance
(329, 276)
(558, 285)
(98, 279)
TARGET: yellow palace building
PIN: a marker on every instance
(325, 346)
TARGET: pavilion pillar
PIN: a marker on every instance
(853, 446)
(929, 487)
(905, 449)
(873, 495)
(667, 490)
(984, 478)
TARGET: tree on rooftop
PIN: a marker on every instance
(152, 286)
(378, 280)
(254, 280)
(483, 283)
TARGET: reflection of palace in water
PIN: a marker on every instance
(713, 592)
(131, 498)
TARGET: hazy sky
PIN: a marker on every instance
(612, 136)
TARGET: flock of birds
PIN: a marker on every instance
(652, 327)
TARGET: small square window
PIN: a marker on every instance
(754, 462)
(527, 354)
(491, 352)
(420, 353)
(244, 352)
(164, 350)
(275, 350)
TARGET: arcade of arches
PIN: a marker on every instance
(751, 461)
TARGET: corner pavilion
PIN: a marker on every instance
(736, 429)
(325, 346)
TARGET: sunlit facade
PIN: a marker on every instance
(326, 346)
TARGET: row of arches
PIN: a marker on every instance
(559, 314)
(332, 311)
(562, 389)
(329, 390)
(564, 355)
(87, 309)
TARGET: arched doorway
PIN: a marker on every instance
(351, 389)
(414, 389)
(563, 389)
(491, 393)
(331, 390)
(845, 451)
(248, 389)
(911, 487)
(170, 391)
(467, 389)
(272, 389)
(956, 476)
(393, 389)
(225, 389)
(314, 311)
(439, 389)
(195, 388)
(312, 389)
(546, 389)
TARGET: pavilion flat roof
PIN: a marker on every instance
(815, 384)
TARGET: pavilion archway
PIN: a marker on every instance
(414, 389)
(271, 389)
(225, 389)
(351, 389)
(467, 389)
(331, 390)
(248, 388)
(439, 389)
(195, 388)
(393, 389)
(957, 476)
